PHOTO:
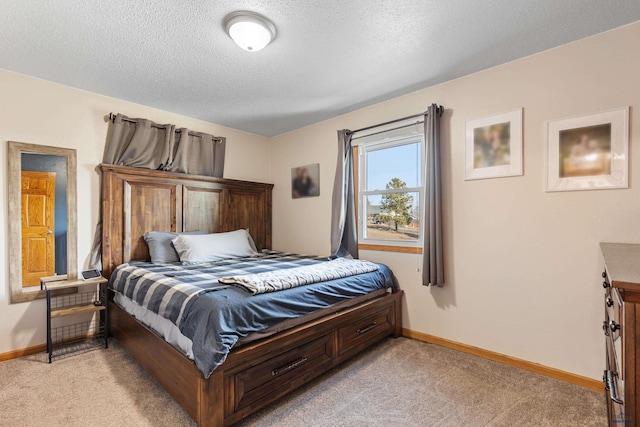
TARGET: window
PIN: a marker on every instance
(391, 191)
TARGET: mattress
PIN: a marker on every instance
(163, 327)
(204, 319)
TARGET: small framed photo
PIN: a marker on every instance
(588, 152)
(305, 181)
(493, 146)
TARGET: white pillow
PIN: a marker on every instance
(195, 249)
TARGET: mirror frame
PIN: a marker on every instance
(14, 160)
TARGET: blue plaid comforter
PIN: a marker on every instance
(167, 289)
(215, 316)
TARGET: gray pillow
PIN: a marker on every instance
(251, 242)
(160, 247)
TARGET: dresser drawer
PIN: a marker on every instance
(277, 376)
(613, 306)
(614, 362)
(613, 326)
(362, 331)
(613, 381)
(615, 401)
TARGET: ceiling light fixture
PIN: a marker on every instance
(250, 31)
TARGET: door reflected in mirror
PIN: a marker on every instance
(43, 217)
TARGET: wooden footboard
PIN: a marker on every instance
(259, 373)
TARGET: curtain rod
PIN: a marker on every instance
(388, 130)
(439, 110)
(112, 118)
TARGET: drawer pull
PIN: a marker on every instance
(290, 366)
(609, 302)
(611, 385)
(606, 284)
(614, 326)
(367, 329)
(605, 328)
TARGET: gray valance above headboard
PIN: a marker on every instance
(142, 143)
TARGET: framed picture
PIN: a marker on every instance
(588, 152)
(493, 146)
(305, 181)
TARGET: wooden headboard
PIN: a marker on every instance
(135, 201)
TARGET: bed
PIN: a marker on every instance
(261, 368)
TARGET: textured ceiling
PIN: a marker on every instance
(329, 57)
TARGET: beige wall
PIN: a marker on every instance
(41, 112)
(523, 266)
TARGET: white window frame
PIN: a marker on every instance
(365, 148)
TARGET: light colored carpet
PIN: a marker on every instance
(400, 382)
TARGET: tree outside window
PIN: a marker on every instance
(396, 207)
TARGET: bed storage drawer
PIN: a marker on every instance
(277, 376)
(365, 330)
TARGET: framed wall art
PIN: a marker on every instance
(493, 146)
(305, 181)
(588, 152)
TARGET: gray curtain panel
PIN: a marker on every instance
(433, 264)
(191, 148)
(344, 237)
(142, 143)
(139, 143)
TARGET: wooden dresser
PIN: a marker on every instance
(622, 332)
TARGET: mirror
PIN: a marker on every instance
(42, 217)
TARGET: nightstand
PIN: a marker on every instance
(66, 336)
